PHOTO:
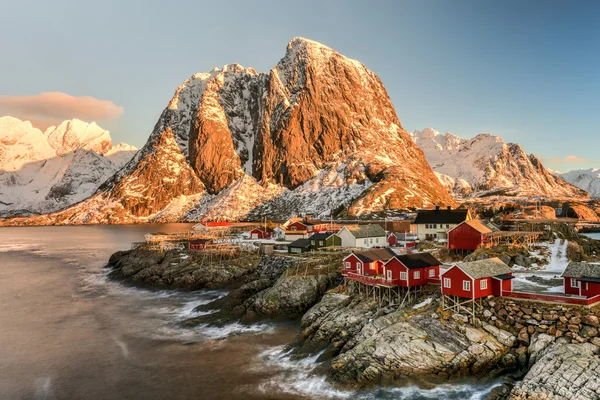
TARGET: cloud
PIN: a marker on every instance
(50, 108)
(570, 160)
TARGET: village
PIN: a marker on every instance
(393, 260)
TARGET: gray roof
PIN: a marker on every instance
(485, 268)
(581, 269)
(365, 231)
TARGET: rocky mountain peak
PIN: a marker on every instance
(72, 134)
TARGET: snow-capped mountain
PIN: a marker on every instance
(317, 133)
(47, 171)
(486, 166)
(586, 179)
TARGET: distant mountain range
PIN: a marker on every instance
(486, 166)
(42, 172)
(586, 179)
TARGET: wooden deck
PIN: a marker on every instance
(372, 281)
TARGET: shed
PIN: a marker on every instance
(469, 235)
(299, 246)
(367, 262)
(324, 239)
(412, 269)
(261, 233)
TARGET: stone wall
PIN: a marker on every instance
(528, 320)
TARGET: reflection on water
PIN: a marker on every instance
(67, 332)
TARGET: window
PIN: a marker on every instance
(417, 274)
(312, 242)
(467, 286)
(371, 240)
(293, 228)
(372, 265)
(483, 284)
(574, 283)
(403, 276)
(321, 242)
(447, 226)
(432, 272)
(426, 226)
(586, 286)
(434, 226)
(348, 265)
(447, 282)
(376, 240)
(389, 275)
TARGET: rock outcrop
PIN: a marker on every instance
(562, 371)
(581, 211)
(319, 131)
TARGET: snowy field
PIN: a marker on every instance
(557, 262)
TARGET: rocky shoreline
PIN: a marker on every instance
(362, 343)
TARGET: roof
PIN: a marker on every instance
(365, 231)
(485, 268)
(586, 279)
(418, 260)
(262, 230)
(504, 277)
(213, 224)
(582, 269)
(481, 226)
(441, 216)
(321, 236)
(303, 243)
(157, 233)
(375, 254)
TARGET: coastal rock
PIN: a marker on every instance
(177, 270)
(292, 295)
(419, 347)
(563, 371)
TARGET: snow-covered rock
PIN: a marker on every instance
(44, 172)
(316, 133)
(486, 166)
(586, 179)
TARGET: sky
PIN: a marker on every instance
(527, 71)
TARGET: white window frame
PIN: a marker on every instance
(417, 274)
(574, 283)
(403, 276)
(483, 284)
(467, 286)
(586, 286)
(348, 265)
(447, 283)
(389, 274)
(312, 242)
(431, 273)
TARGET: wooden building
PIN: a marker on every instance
(582, 279)
(299, 246)
(364, 236)
(477, 279)
(469, 235)
(211, 227)
(261, 233)
(324, 239)
(434, 224)
(200, 244)
(366, 262)
(411, 270)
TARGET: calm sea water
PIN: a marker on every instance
(594, 235)
(66, 332)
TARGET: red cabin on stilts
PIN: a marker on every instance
(411, 270)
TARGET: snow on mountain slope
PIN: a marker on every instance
(44, 172)
(486, 166)
(586, 179)
(317, 133)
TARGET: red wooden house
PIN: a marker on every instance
(199, 244)
(392, 239)
(367, 262)
(582, 279)
(262, 233)
(477, 279)
(411, 270)
(308, 226)
(468, 235)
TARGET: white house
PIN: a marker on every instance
(278, 233)
(435, 224)
(364, 236)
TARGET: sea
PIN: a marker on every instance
(68, 332)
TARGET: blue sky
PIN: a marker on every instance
(528, 71)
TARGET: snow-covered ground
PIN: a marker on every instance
(557, 262)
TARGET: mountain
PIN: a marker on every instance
(586, 179)
(486, 166)
(46, 171)
(318, 133)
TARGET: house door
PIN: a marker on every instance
(361, 268)
(389, 275)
